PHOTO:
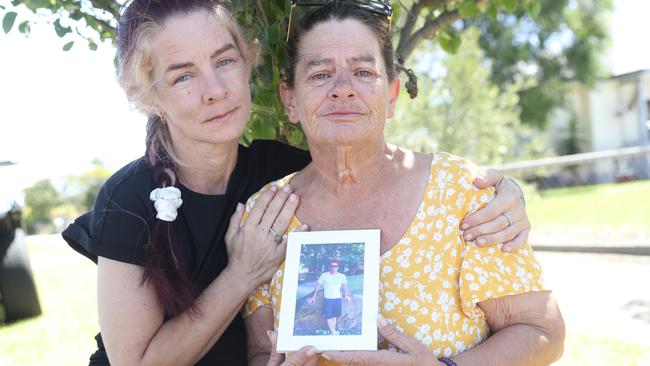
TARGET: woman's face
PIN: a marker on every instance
(200, 80)
(341, 93)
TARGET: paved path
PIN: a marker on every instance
(600, 294)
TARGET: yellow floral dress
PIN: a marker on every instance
(432, 280)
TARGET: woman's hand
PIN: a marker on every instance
(257, 247)
(502, 220)
(307, 355)
(403, 350)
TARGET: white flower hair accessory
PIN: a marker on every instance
(166, 201)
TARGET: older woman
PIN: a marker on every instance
(174, 267)
(454, 302)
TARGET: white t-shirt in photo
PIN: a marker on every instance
(332, 284)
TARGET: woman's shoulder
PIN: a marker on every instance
(135, 178)
(278, 182)
(452, 165)
(118, 224)
(276, 159)
(455, 175)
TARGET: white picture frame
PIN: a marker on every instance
(296, 329)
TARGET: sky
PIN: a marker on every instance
(61, 110)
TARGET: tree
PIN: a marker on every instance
(81, 190)
(414, 22)
(462, 111)
(562, 43)
(40, 199)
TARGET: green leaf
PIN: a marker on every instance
(8, 21)
(24, 27)
(92, 46)
(468, 9)
(492, 11)
(534, 8)
(76, 14)
(61, 30)
(450, 40)
(509, 5)
(68, 46)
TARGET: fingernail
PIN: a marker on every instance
(312, 351)
(284, 237)
(292, 198)
(468, 236)
(481, 241)
(381, 320)
(286, 188)
(325, 356)
(464, 226)
(268, 334)
(304, 227)
(481, 177)
(274, 188)
(240, 206)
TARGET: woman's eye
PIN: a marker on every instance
(182, 78)
(364, 73)
(225, 62)
(319, 76)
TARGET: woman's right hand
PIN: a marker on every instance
(306, 356)
(253, 251)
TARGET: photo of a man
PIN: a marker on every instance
(329, 291)
(335, 289)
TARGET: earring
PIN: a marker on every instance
(162, 119)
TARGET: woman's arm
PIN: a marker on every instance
(132, 321)
(527, 330)
(258, 324)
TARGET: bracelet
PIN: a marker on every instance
(447, 361)
(514, 181)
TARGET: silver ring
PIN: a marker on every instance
(277, 238)
(507, 218)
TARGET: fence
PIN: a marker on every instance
(593, 167)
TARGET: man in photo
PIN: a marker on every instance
(334, 285)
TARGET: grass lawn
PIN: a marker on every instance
(63, 335)
(622, 206)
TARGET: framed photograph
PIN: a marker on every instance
(330, 291)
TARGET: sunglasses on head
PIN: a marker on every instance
(373, 6)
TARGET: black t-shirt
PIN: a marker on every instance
(118, 227)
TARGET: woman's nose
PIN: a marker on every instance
(215, 89)
(342, 90)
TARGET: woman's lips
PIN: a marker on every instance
(344, 114)
(220, 117)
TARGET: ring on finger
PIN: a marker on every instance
(277, 238)
(507, 218)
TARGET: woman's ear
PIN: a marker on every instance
(393, 93)
(286, 94)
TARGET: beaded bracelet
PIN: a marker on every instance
(447, 361)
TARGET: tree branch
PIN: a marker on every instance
(411, 18)
(408, 42)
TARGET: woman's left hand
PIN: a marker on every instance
(502, 220)
(405, 350)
